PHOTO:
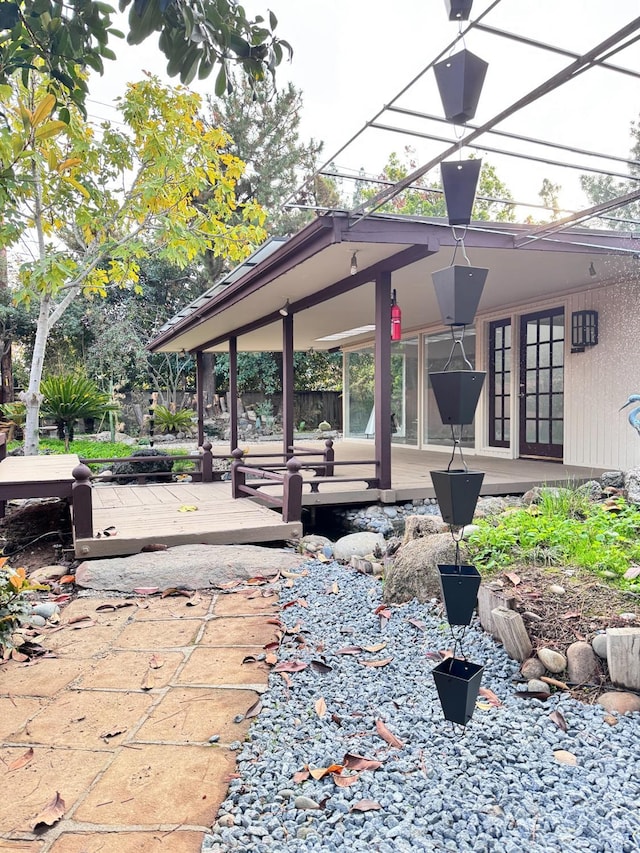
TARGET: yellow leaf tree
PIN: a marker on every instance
(97, 202)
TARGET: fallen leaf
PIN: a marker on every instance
(554, 682)
(565, 757)
(358, 762)
(155, 662)
(290, 666)
(349, 650)
(320, 772)
(490, 696)
(610, 720)
(250, 659)
(295, 629)
(79, 625)
(321, 667)
(293, 575)
(112, 733)
(194, 600)
(67, 579)
(175, 590)
(483, 706)
(254, 710)
(387, 735)
(336, 719)
(75, 619)
(187, 508)
(114, 606)
(418, 623)
(271, 659)
(51, 813)
(513, 577)
(384, 613)
(271, 647)
(334, 589)
(526, 694)
(571, 614)
(288, 584)
(301, 776)
(149, 680)
(146, 590)
(22, 760)
(365, 806)
(286, 679)
(18, 656)
(559, 720)
(379, 662)
(377, 648)
(632, 572)
(302, 602)
(259, 580)
(344, 781)
(321, 707)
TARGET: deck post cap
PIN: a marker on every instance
(81, 473)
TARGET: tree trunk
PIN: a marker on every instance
(208, 383)
(32, 397)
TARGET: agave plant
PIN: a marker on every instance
(173, 422)
(69, 397)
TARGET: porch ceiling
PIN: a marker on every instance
(516, 276)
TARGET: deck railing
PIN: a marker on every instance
(290, 479)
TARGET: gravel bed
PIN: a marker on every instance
(494, 786)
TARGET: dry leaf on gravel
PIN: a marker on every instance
(290, 666)
(301, 776)
(155, 662)
(377, 648)
(559, 720)
(365, 806)
(358, 762)
(490, 696)
(21, 760)
(418, 623)
(321, 707)
(387, 735)
(51, 813)
(345, 781)
(321, 667)
(376, 663)
(349, 650)
(254, 710)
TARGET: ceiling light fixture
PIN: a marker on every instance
(354, 264)
(285, 309)
(592, 270)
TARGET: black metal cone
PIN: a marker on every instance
(459, 289)
(457, 393)
(457, 494)
(460, 79)
(458, 682)
(460, 585)
(458, 10)
(459, 182)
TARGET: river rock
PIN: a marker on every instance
(191, 566)
(357, 545)
(417, 526)
(536, 686)
(591, 490)
(532, 668)
(48, 573)
(556, 589)
(582, 663)
(46, 609)
(612, 480)
(552, 660)
(620, 702)
(490, 506)
(414, 572)
(599, 645)
(314, 543)
(632, 485)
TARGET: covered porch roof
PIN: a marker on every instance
(312, 272)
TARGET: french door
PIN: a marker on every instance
(541, 396)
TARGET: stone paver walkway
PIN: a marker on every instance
(119, 721)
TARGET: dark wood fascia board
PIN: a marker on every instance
(597, 243)
(404, 258)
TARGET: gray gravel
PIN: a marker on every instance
(497, 787)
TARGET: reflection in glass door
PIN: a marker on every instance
(404, 392)
(437, 352)
(542, 384)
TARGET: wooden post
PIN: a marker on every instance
(233, 393)
(206, 463)
(200, 397)
(238, 478)
(82, 503)
(512, 633)
(623, 657)
(329, 457)
(490, 597)
(292, 492)
(287, 385)
(382, 382)
(3, 455)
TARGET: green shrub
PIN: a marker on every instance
(173, 422)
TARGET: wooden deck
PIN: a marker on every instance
(151, 514)
(128, 518)
(36, 477)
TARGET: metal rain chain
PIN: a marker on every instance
(458, 289)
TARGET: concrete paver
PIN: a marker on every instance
(120, 719)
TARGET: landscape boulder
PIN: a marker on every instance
(582, 663)
(414, 572)
(620, 702)
(632, 485)
(358, 545)
(417, 526)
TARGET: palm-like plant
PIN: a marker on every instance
(69, 397)
(173, 422)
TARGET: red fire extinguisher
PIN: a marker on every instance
(396, 319)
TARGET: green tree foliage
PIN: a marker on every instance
(56, 39)
(599, 188)
(113, 201)
(426, 198)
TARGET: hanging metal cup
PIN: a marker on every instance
(459, 183)
(457, 494)
(460, 79)
(458, 682)
(457, 393)
(459, 585)
(459, 289)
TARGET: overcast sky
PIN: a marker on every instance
(353, 56)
